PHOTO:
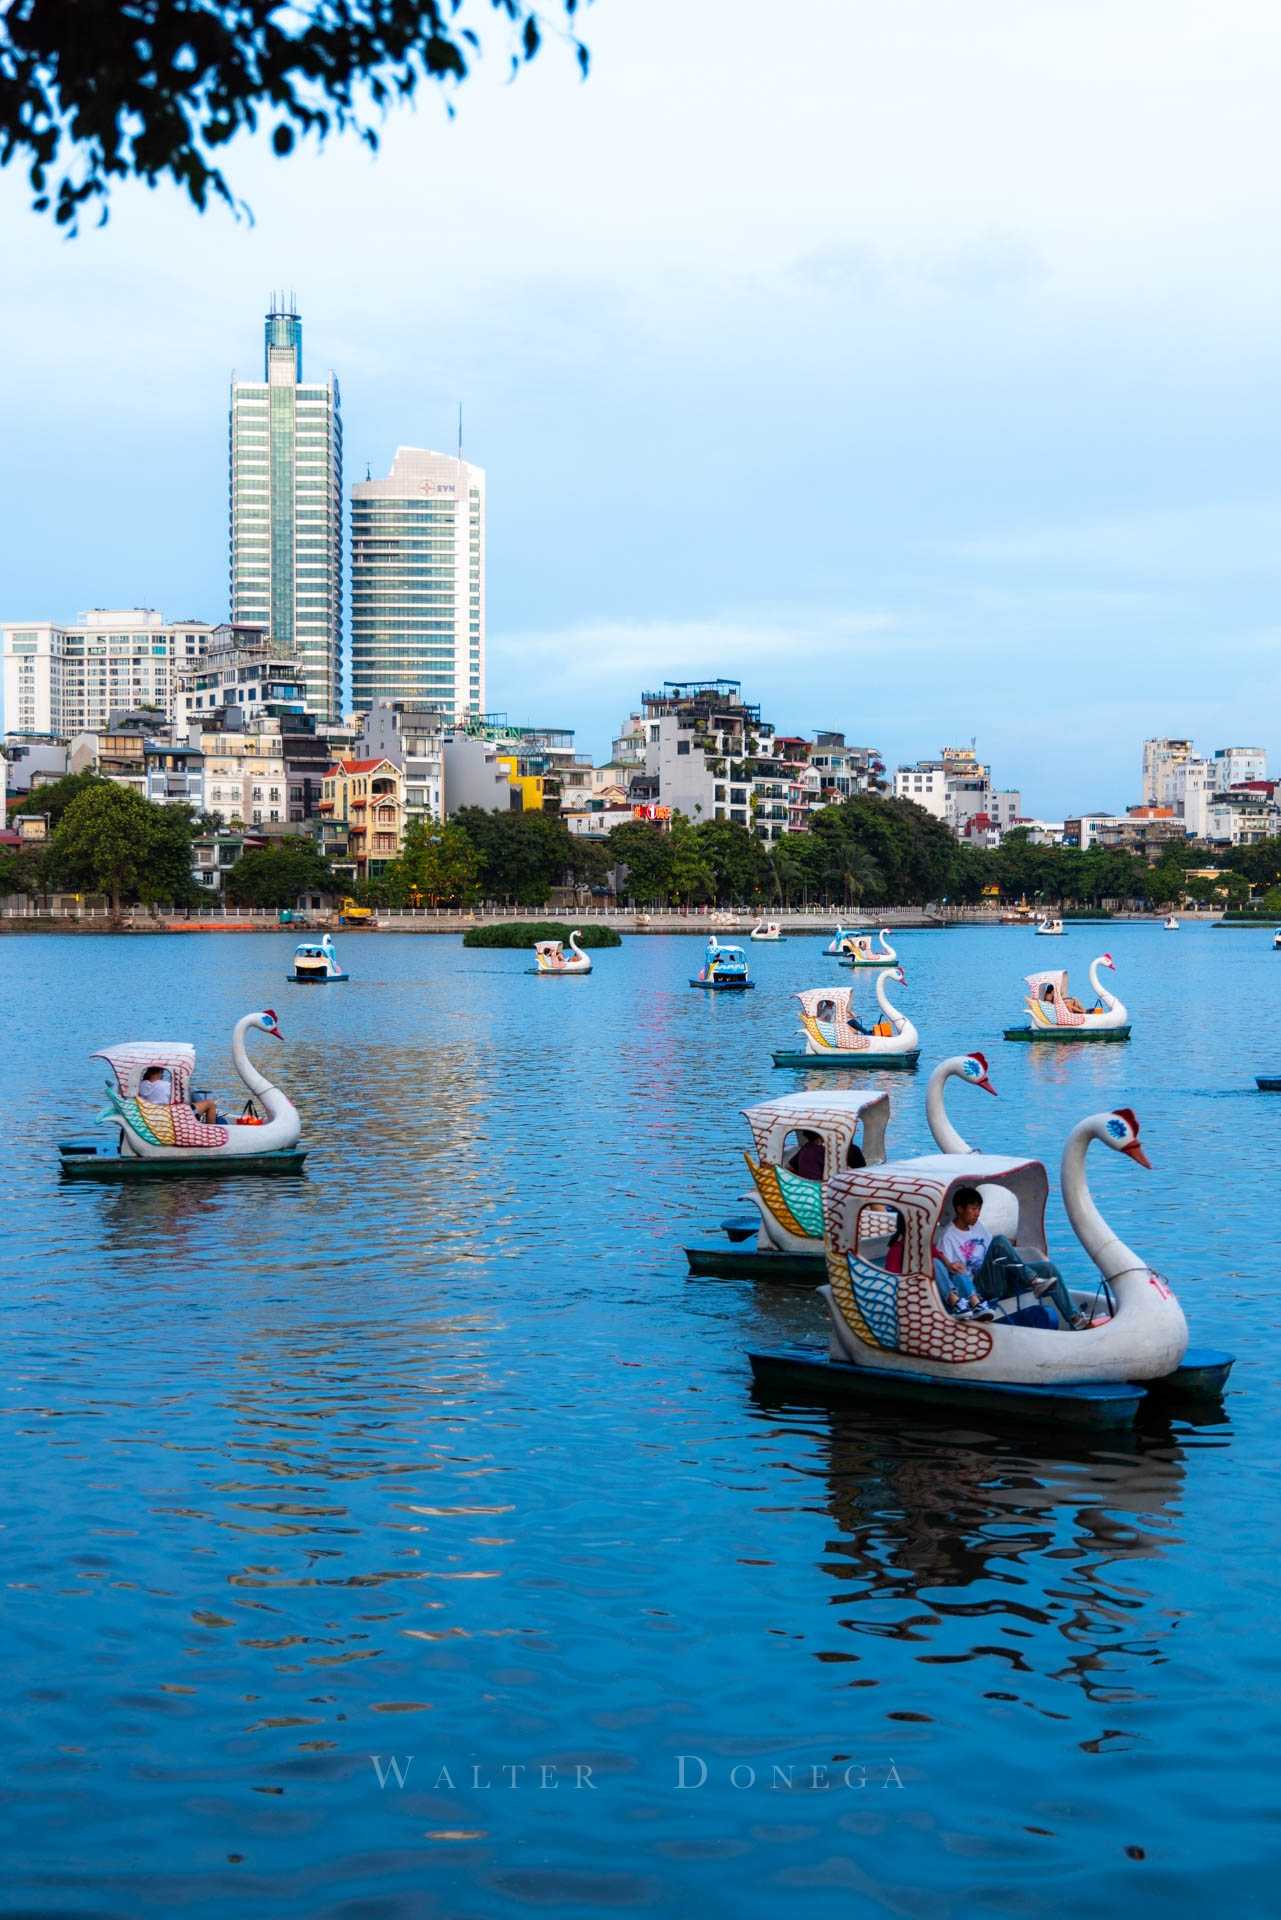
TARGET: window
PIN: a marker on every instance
(682, 746)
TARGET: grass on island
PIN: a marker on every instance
(523, 933)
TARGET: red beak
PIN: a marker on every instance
(986, 1086)
(1135, 1152)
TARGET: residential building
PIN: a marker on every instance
(957, 788)
(174, 774)
(119, 750)
(246, 777)
(213, 855)
(32, 759)
(410, 735)
(1146, 830)
(285, 501)
(1161, 760)
(709, 755)
(418, 584)
(1244, 815)
(1192, 788)
(474, 776)
(63, 680)
(242, 666)
(1234, 766)
(363, 815)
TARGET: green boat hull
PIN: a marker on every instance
(749, 1263)
(88, 1160)
(844, 1061)
(1067, 1036)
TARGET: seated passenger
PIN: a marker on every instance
(810, 1158)
(898, 1242)
(854, 1155)
(995, 1270)
(156, 1085)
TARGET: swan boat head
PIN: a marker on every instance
(972, 1068)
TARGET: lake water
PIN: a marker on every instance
(437, 1452)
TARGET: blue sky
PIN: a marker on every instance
(920, 371)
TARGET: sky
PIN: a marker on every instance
(914, 363)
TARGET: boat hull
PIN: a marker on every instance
(754, 1263)
(837, 1058)
(94, 1160)
(560, 973)
(724, 986)
(1067, 1036)
(812, 1373)
(317, 979)
(1268, 1082)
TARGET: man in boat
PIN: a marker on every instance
(156, 1085)
(997, 1269)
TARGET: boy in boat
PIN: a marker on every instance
(994, 1268)
(157, 1086)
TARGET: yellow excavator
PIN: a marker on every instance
(350, 915)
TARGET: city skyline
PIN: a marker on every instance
(899, 448)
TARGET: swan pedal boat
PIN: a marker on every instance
(842, 941)
(552, 962)
(834, 1037)
(1054, 1015)
(156, 1138)
(787, 1224)
(767, 930)
(1047, 927)
(858, 951)
(891, 1335)
(316, 964)
(724, 970)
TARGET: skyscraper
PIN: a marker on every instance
(286, 509)
(418, 584)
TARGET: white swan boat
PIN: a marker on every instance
(843, 939)
(891, 1334)
(316, 964)
(551, 961)
(837, 1130)
(766, 930)
(168, 1136)
(835, 1037)
(1170, 924)
(1048, 927)
(860, 952)
(1276, 941)
(1054, 1014)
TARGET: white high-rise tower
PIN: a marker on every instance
(418, 584)
(286, 509)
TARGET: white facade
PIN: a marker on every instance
(418, 584)
(1192, 790)
(245, 778)
(66, 679)
(926, 784)
(1235, 765)
(412, 738)
(1161, 759)
(286, 510)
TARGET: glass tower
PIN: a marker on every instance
(418, 584)
(286, 509)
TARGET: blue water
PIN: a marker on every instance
(438, 1453)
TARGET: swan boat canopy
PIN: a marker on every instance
(859, 951)
(552, 961)
(1055, 1015)
(842, 941)
(890, 1330)
(167, 1135)
(316, 963)
(802, 1140)
(766, 930)
(724, 969)
(835, 1037)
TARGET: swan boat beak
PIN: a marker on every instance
(1135, 1152)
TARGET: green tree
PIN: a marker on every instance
(522, 855)
(438, 866)
(645, 852)
(739, 863)
(692, 880)
(23, 871)
(95, 93)
(57, 796)
(276, 876)
(110, 840)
